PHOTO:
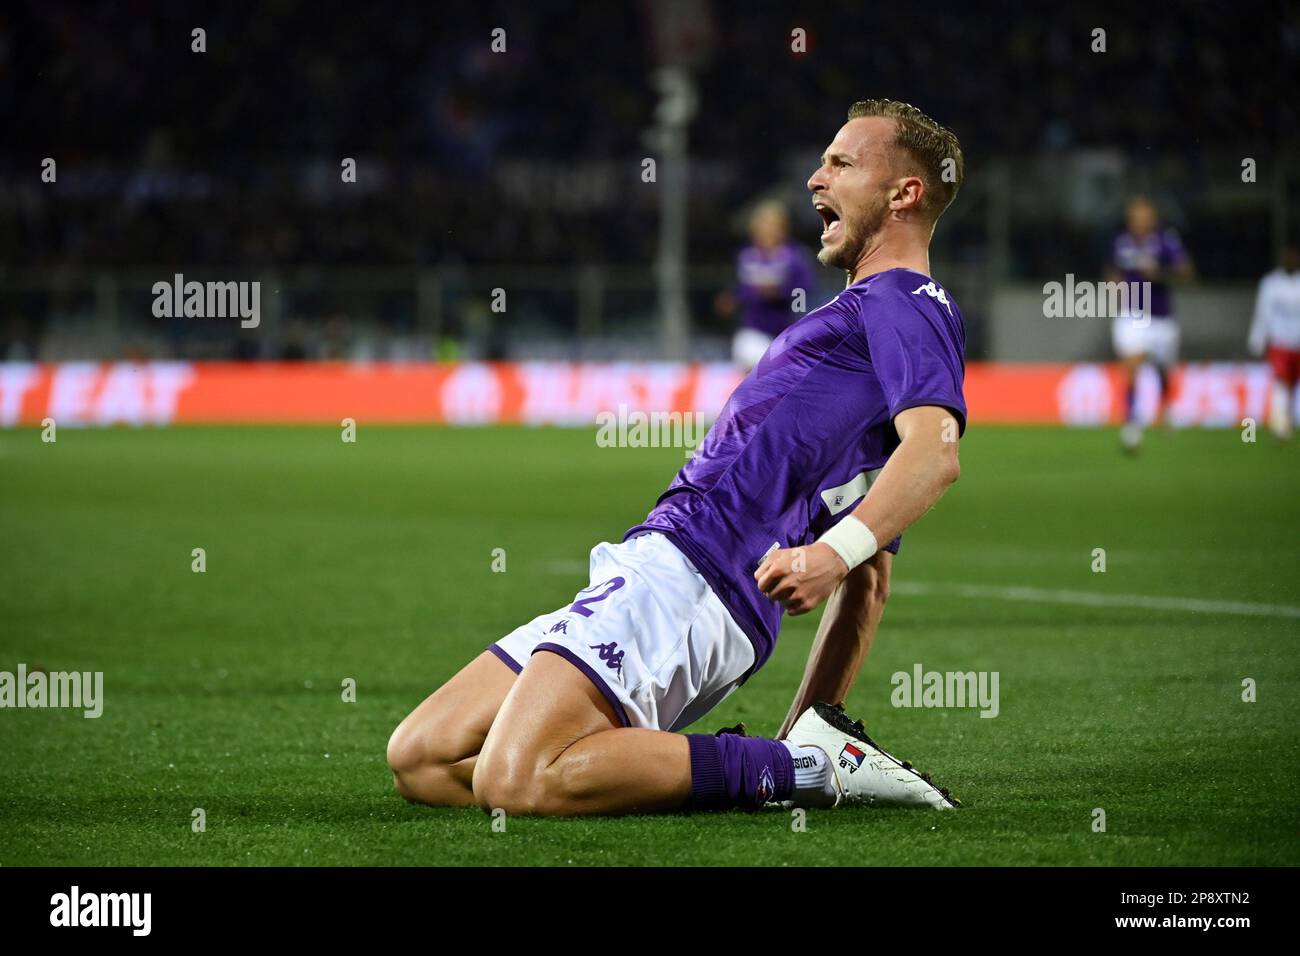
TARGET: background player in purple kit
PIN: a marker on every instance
(769, 271)
(1147, 332)
(843, 435)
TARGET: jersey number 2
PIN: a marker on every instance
(608, 588)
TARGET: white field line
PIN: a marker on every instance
(1143, 601)
(1146, 602)
(1151, 602)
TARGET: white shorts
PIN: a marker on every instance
(1154, 337)
(748, 346)
(649, 632)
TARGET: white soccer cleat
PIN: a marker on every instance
(864, 774)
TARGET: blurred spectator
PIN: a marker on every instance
(770, 273)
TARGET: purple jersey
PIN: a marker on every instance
(796, 445)
(766, 282)
(1160, 249)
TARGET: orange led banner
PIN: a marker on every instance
(552, 393)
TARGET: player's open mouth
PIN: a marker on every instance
(830, 221)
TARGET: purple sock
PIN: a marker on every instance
(733, 771)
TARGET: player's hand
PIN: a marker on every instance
(801, 578)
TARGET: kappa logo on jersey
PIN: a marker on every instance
(934, 292)
(613, 660)
(561, 627)
(851, 758)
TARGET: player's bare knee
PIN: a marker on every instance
(564, 786)
(424, 740)
(419, 771)
(524, 788)
(404, 760)
(405, 750)
(498, 788)
(488, 783)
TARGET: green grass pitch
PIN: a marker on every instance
(372, 561)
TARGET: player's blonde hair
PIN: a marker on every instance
(925, 142)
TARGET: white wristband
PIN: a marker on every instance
(851, 540)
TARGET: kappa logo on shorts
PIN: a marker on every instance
(561, 627)
(851, 758)
(613, 660)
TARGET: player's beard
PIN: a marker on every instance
(858, 231)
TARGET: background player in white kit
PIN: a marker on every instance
(1276, 330)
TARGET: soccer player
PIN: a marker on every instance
(1146, 333)
(844, 434)
(1276, 326)
(769, 273)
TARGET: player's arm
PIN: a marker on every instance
(849, 623)
(916, 475)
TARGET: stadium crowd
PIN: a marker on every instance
(532, 156)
